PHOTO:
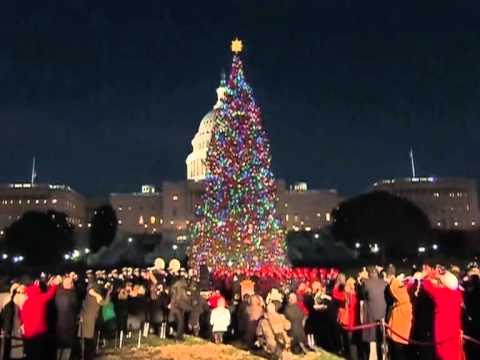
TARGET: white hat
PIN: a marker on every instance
(159, 264)
(174, 265)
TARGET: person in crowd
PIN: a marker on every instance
(471, 316)
(241, 315)
(296, 316)
(11, 324)
(442, 286)
(373, 295)
(199, 306)
(33, 316)
(179, 300)
(66, 305)
(254, 313)
(159, 301)
(220, 320)
(347, 318)
(400, 322)
(94, 299)
(272, 332)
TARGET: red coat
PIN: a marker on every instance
(347, 311)
(448, 321)
(34, 311)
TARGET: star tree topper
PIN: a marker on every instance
(236, 46)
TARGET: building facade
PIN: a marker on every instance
(449, 203)
(302, 208)
(167, 212)
(17, 199)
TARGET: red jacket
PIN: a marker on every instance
(448, 320)
(34, 311)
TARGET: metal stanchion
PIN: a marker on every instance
(121, 339)
(139, 343)
(97, 347)
(384, 340)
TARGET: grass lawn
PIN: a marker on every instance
(192, 348)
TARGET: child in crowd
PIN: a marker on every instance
(220, 320)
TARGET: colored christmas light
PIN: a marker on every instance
(237, 225)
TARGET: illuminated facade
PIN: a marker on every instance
(449, 203)
(168, 212)
(302, 208)
(17, 199)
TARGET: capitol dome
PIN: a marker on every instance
(196, 169)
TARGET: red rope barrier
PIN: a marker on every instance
(410, 341)
(420, 343)
(361, 327)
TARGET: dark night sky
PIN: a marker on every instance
(108, 94)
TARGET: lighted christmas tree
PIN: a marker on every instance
(237, 226)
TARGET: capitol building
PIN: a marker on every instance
(170, 209)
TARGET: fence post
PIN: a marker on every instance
(384, 340)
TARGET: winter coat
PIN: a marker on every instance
(254, 312)
(88, 317)
(272, 329)
(34, 311)
(11, 326)
(179, 299)
(448, 321)
(295, 315)
(220, 319)
(66, 303)
(159, 308)
(375, 305)
(401, 313)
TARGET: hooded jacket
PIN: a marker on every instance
(34, 310)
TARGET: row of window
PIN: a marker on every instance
(328, 217)
(27, 201)
(456, 223)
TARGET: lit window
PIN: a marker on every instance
(19, 201)
(474, 223)
(295, 218)
(327, 217)
(145, 226)
(286, 205)
(154, 230)
(54, 201)
(140, 220)
(301, 222)
(172, 222)
(161, 221)
(319, 215)
(455, 223)
(28, 201)
(174, 197)
(120, 208)
(119, 222)
(89, 225)
(153, 220)
(11, 202)
(44, 201)
(436, 194)
(439, 223)
(286, 218)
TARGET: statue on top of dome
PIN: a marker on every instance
(221, 90)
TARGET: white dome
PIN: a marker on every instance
(196, 169)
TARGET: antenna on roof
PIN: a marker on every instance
(412, 161)
(34, 172)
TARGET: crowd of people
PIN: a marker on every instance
(376, 314)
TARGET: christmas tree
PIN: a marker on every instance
(237, 226)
